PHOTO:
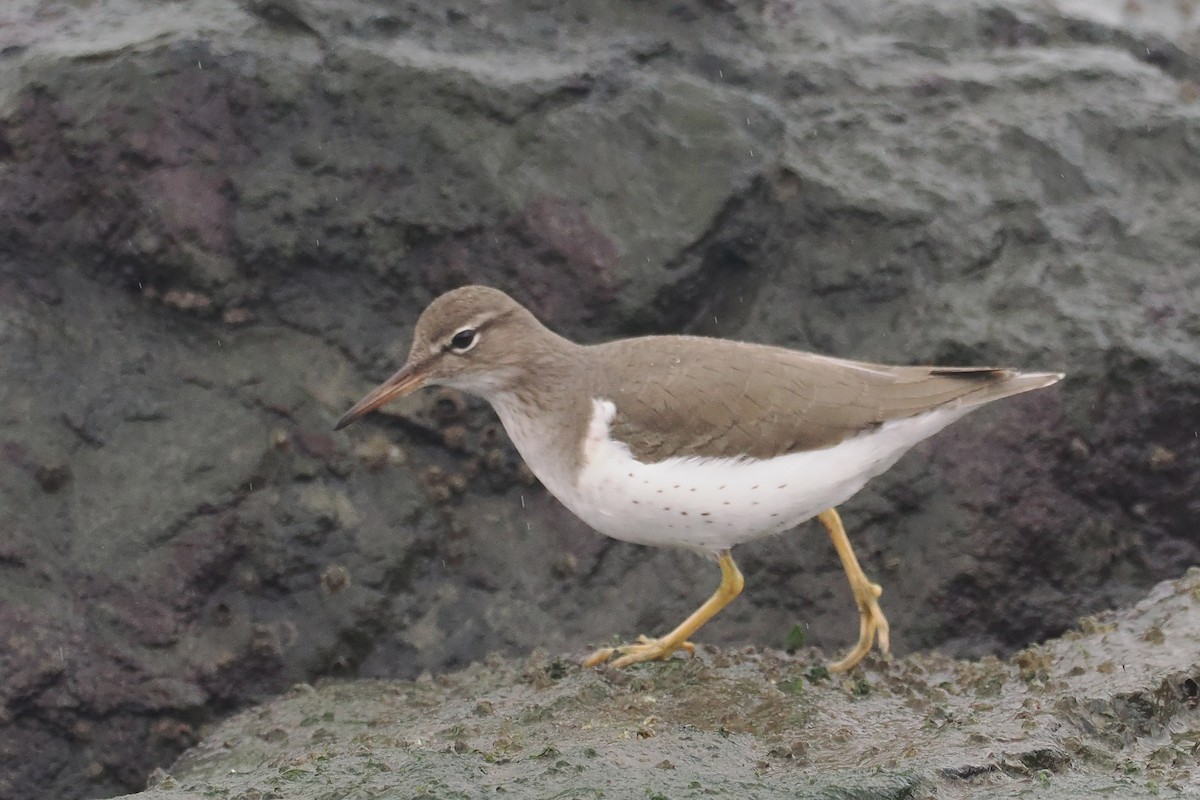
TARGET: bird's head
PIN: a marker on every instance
(476, 339)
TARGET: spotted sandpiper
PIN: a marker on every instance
(689, 441)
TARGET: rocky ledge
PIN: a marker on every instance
(1109, 709)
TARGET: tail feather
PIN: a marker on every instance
(997, 383)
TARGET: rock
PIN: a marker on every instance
(749, 724)
(53, 476)
(219, 224)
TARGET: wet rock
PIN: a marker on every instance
(335, 579)
(912, 182)
(52, 477)
(378, 452)
(764, 729)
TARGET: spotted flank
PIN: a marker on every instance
(712, 504)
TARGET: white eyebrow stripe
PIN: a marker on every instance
(476, 321)
(472, 325)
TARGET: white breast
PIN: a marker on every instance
(711, 504)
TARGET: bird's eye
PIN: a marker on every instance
(464, 340)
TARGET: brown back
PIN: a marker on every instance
(691, 396)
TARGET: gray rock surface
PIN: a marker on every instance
(219, 221)
(1112, 710)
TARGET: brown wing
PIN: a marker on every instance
(690, 396)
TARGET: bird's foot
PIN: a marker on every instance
(646, 649)
(872, 627)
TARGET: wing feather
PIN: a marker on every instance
(690, 396)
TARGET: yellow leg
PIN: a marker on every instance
(657, 649)
(872, 622)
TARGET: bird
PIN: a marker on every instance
(691, 442)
